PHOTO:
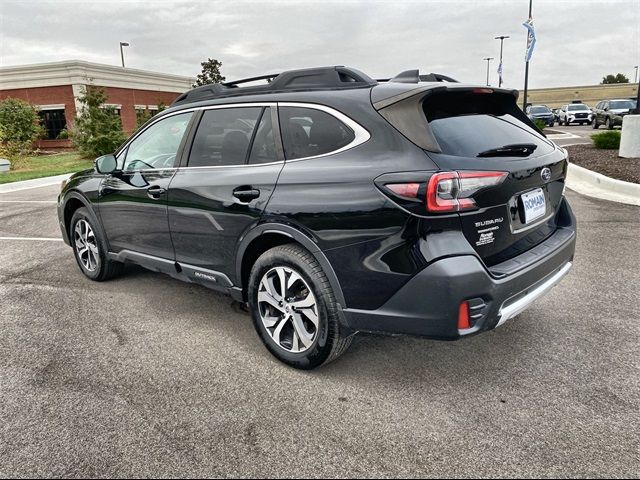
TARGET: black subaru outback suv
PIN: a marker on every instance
(333, 204)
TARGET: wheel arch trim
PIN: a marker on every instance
(297, 236)
(77, 195)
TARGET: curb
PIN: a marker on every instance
(34, 183)
(592, 184)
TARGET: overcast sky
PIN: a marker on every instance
(579, 41)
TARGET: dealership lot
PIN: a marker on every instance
(147, 376)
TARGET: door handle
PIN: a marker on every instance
(155, 192)
(246, 193)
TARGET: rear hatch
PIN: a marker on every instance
(508, 179)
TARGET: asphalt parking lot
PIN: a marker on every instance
(146, 376)
(572, 134)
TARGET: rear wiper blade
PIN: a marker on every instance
(514, 150)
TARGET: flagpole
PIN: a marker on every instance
(526, 68)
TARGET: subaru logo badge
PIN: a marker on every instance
(546, 174)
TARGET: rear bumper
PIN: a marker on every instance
(428, 304)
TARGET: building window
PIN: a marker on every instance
(53, 122)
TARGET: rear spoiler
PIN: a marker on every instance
(404, 111)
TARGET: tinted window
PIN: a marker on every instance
(308, 132)
(263, 149)
(223, 137)
(467, 124)
(577, 107)
(156, 147)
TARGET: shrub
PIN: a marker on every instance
(98, 130)
(609, 140)
(19, 128)
(541, 124)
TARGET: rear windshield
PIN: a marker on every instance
(467, 124)
(577, 107)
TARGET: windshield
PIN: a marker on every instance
(577, 107)
(466, 124)
(620, 104)
(540, 110)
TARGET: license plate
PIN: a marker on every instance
(534, 205)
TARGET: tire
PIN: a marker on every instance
(551, 125)
(595, 124)
(317, 337)
(90, 247)
(608, 123)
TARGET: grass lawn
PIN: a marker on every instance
(45, 166)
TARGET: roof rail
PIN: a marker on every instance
(322, 78)
(413, 76)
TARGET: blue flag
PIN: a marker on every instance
(531, 38)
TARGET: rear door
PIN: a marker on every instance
(231, 172)
(486, 132)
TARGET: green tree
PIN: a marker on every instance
(210, 73)
(98, 130)
(619, 78)
(142, 117)
(19, 128)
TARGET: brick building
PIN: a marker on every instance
(54, 88)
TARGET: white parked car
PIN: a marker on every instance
(575, 113)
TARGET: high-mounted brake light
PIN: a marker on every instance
(482, 90)
(453, 191)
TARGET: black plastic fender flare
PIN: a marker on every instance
(297, 236)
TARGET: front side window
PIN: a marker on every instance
(308, 132)
(224, 136)
(158, 145)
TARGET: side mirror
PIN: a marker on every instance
(106, 164)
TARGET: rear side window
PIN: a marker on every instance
(223, 137)
(467, 124)
(307, 132)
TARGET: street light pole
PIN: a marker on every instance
(488, 60)
(636, 80)
(526, 68)
(122, 44)
(501, 38)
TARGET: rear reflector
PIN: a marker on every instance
(482, 90)
(464, 323)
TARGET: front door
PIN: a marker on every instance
(133, 200)
(232, 169)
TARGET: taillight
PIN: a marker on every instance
(453, 191)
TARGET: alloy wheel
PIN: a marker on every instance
(288, 309)
(86, 245)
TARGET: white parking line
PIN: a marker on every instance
(33, 239)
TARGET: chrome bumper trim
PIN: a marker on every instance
(509, 311)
